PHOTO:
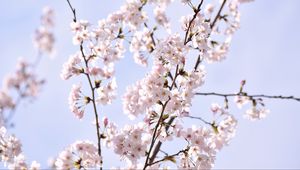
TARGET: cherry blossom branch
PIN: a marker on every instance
(20, 95)
(186, 40)
(93, 100)
(250, 96)
(154, 135)
(94, 103)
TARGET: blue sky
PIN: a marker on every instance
(264, 52)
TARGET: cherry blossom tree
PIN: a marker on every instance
(157, 104)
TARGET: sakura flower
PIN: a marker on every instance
(129, 142)
(81, 154)
(18, 163)
(35, 166)
(172, 49)
(87, 153)
(209, 9)
(217, 109)
(72, 68)
(5, 100)
(133, 17)
(44, 38)
(141, 42)
(160, 17)
(74, 99)
(241, 100)
(64, 160)
(219, 52)
(107, 93)
(224, 132)
(256, 113)
(10, 146)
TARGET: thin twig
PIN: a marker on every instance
(251, 96)
(92, 90)
(169, 157)
(200, 118)
(186, 37)
(218, 14)
(73, 11)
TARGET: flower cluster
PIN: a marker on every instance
(81, 154)
(23, 80)
(74, 98)
(257, 111)
(164, 96)
(141, 42)
(205, 142)
(23, 83)
(105, 48)
(11, 152)
(6, 102)
(44, 38)
(129, 142)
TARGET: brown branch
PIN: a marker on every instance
(73, 11)
(251, 96)
(86, 60)
(94, 103)
(218, 14)
(186, 37)
(154, 135)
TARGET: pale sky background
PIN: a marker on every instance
(264, 52)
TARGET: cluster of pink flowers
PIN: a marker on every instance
(44, 38)
(23, 80)
(164, 96)
(11, 152)
(141, 43)
(6, 102)
(23, 83)
(79, 155)
(129, 142)
(257, 111)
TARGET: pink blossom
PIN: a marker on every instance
(74, 98)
